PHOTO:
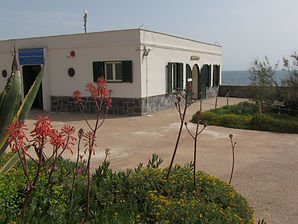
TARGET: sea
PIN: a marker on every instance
(242, 77)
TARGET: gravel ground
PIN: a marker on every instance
(266, 168)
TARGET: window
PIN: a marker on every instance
(113, 71)
(4, 73)
(71, 72)
(175, 83)
(175, 76)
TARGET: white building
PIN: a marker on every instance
(143, 68)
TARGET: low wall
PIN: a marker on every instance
(120, 106)
(247, 91)
(235, 91)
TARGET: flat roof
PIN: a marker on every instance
(106, 31)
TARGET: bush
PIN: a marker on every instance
(245, 116)
(244, 108)
(265, 122)
(146, 197)
(132, 196)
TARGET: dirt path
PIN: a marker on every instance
(266, 170)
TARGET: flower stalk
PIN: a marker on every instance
(195, 139)
(181, 96)
(233, 144)
(101, 96)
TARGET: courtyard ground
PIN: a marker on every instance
(266, 169)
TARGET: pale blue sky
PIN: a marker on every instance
(247, 29)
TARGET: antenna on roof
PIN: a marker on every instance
(85, 20)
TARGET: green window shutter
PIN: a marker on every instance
(98, 70)
(188, 72)
(208, 77)
(214, 75)
(180, 75)
(218, 75)
(126, 71)
(170, 77)
(203, 81)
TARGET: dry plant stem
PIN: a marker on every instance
(195, 138)
(182, 117)
(83, 115)
(233, 162)
(195, 158)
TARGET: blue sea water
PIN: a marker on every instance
(242, 77)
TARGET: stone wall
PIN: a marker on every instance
(211, 92)
(246, 91)
(235, 91)
(158, 103)
(124, 106)
(120, 106)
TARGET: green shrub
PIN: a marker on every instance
(234, 121)
(244, 108)
(133, 196)
(245, 116)
(265, 122)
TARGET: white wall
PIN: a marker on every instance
(6, 57)
(103, 46)
(165, 48)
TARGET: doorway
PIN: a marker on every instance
(195, 81)
(30, 73)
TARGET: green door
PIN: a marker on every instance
(189, 79)
(203, 81)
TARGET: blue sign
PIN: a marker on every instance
(33, 56)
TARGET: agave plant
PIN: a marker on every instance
(10, 108)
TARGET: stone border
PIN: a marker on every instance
(120, 106)
(124, 106)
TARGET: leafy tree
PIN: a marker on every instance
(263, 77)
(291, 95)
(266, 87)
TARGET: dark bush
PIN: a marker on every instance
(244, 108)
(266, 122)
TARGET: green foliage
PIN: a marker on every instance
(245, 116)
(267, 87)
(290, 96)
(267, 122)
(11, 110)
(263, 77)
(132, 196)
(9, 102)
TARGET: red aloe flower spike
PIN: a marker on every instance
(89, 140)
(101, 87)
(43, 129)
(17, 136)
(68, 131)
(57, 139)
(77, 98)
(92, 89)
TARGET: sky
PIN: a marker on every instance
(246, 29)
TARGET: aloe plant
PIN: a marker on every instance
(10, 109)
